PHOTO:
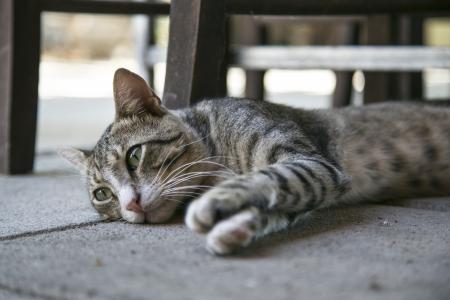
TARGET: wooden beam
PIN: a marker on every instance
(249, 32)
(342, 58)
(257, 7)
(19, 66)
(377, 85)
(106, 6)
(333, 7)
(196, 52)
(409, 31)
(6, 56)
(347, 34)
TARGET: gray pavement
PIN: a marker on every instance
(53, 197)
(53, 246)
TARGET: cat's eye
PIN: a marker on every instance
(134, 157)
(103, 194)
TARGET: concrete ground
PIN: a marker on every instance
(54, 246)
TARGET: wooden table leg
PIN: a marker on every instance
(377, 87)
(150, 42)
(19, 73)
(408, 31)
(251, 33)
(196, 51)
(348, 34)
(397, 30)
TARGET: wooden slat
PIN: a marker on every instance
(377, 85)
(343, 58)
(6, 56)
(410, 32)
(19, 63)
(347, 34)
(339, 58)
(258, 7)
(248, 32)
(196, 52)
(154, 7)
(333, 7)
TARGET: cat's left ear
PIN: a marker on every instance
(133, 96)
(78, 158)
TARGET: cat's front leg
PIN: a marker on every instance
(244, 227)
(239, 209)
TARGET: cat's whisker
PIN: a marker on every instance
(159, 170)
(204, 160)
(188, 187)
(218, 173)
(181, 194)
(157, 177)
(174, 200)
(180, 182)
(187, 190)
(181, 179)
(183, 167)
(191, 143)
(192, 186)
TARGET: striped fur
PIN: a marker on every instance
(269, 164)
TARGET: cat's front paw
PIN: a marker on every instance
(233, 233)
(215, 205)
(227, 226)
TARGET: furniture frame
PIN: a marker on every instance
(196, 60)
(196, 53)
(20, 21)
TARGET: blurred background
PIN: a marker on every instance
(74, 108)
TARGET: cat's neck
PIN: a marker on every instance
(198, 123)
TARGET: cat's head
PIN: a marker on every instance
(138, 170)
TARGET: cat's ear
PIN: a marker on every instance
(133, 96)
(78, 158)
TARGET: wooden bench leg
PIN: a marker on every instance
(376, 87)
(348, 34)
(250, 32)
(196, 52)
(407, 31)
(399, 30)
(151, 27)
(19, 73)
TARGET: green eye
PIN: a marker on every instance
(134, 157)
(102, 194)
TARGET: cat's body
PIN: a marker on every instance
(269, 164)
(389, 150)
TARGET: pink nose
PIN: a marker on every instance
(134, 205)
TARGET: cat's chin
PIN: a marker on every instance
(162, 214)
(133, 217)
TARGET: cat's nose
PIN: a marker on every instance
(135, 205)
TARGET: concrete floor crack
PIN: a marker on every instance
(48, 230)
(32, 294)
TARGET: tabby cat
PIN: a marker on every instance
(257, 167)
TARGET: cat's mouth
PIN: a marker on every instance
(160, 211)
(153, 207)
(156, 208)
